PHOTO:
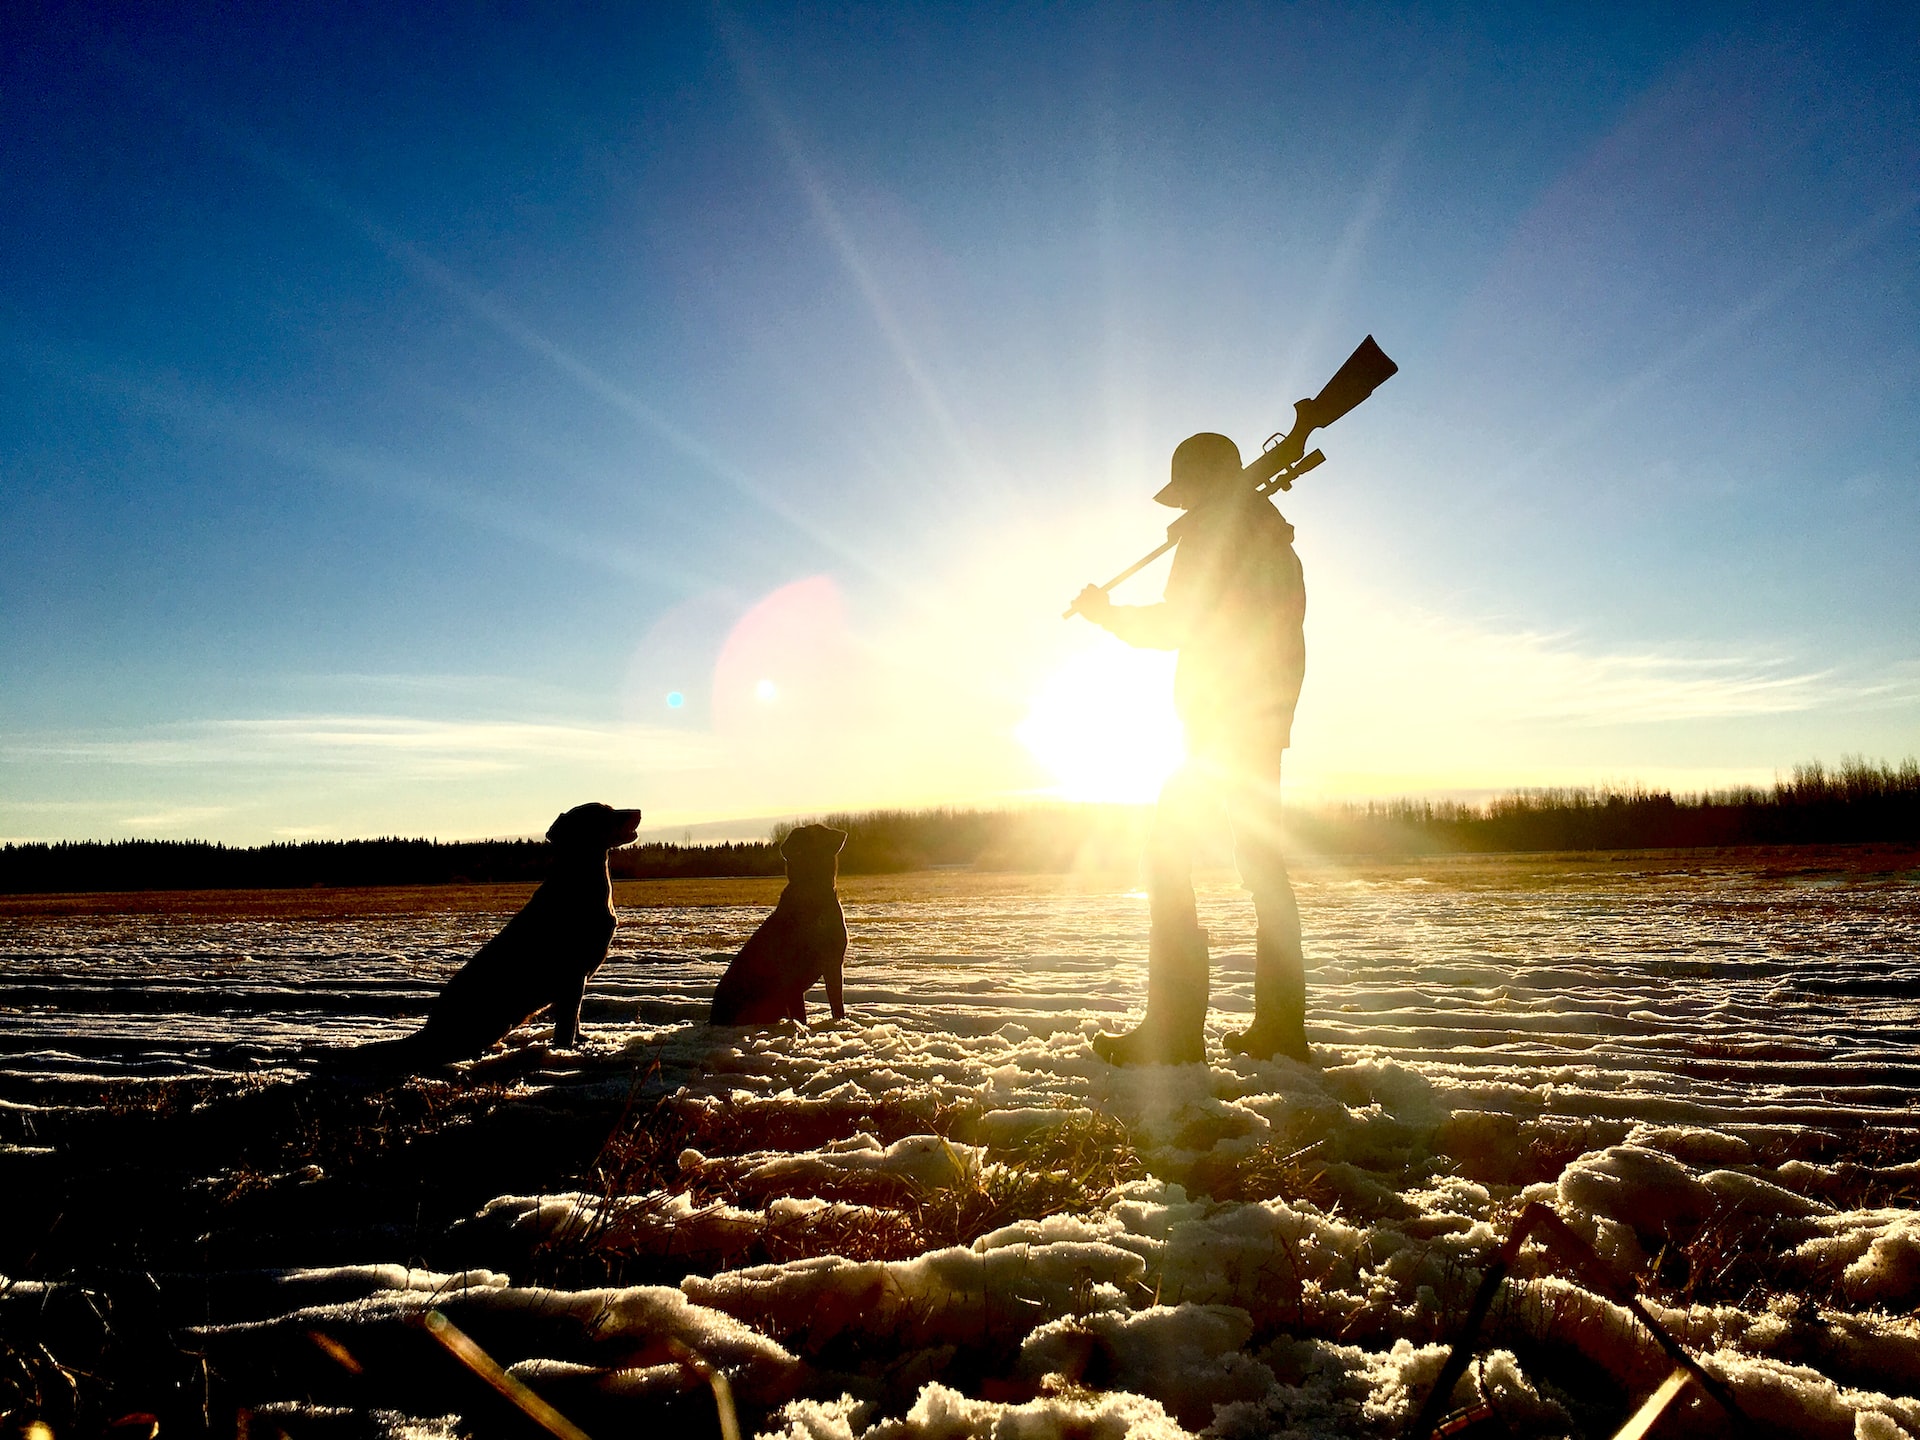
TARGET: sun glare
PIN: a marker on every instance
(1103, 724)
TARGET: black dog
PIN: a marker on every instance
(540, 961)
(803, 940)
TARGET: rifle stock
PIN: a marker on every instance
(1364, 372)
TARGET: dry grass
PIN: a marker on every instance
(79, 1359)
(60, 1389)
(188, 1181)
(386, 1149)
(1280, 1169)
(1071, 1167)
(316, 903)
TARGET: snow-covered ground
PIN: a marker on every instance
(1709, 1065)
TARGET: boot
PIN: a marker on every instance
(1174, 1030)
(1279, 1005)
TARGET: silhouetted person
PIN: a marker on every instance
(802, 943)
(539, 961)
(1234, 608)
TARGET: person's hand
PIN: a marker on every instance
(1094, 603)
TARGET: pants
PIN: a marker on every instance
(1244, 796)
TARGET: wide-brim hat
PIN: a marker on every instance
(1200, 463)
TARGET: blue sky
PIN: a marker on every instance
(401, 409)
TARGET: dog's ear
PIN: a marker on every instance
(838, 838)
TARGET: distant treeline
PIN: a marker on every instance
(1858, 802)
(201, 865)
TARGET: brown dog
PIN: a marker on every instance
(540, 961)
(803, 940)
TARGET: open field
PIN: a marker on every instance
(1865, 862)
(944, 1214)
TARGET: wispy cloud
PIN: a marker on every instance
(373, 742)
(172, 819)
(1403, 702)
(1537, 676)
(1376, 660)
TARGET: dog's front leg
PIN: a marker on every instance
(832, 978)
(566, 1015)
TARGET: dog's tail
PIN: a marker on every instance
(378, 1059)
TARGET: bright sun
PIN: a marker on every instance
(1103, 724)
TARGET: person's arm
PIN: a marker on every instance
(1150, 627)
(1155, 627)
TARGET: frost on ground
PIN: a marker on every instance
(945, 1217)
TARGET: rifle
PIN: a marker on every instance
(1282, 460)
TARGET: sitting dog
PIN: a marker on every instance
(803, 940)
(540, 961)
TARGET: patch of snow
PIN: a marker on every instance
(925, 1162)
(943, 1414)
(1190, 1358)
(964, 1294)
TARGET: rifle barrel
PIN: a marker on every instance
(1312, 460)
